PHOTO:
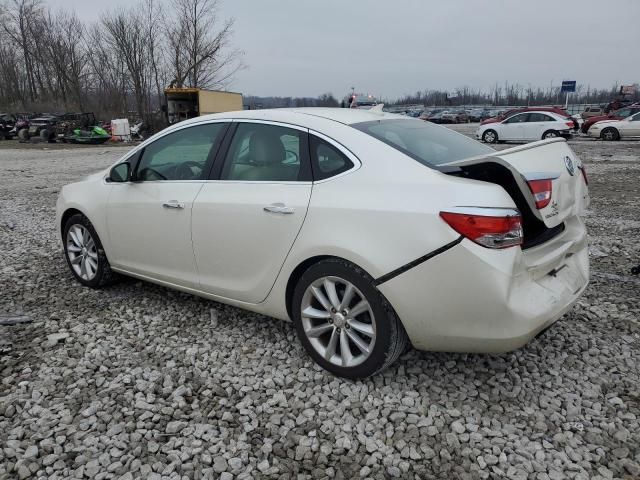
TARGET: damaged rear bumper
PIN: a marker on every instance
(473, 299)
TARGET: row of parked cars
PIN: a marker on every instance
(538, 123)
(457, 115)
(48, 127)
(620, 121)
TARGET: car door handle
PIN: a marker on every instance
(173, 204)
(279, 208)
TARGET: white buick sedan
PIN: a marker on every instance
(526, 127)
(368, 230)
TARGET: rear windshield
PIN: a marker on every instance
(425, 142)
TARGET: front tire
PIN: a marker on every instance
(84, 253)
(610, 134)
(490, 136)
(344, 322)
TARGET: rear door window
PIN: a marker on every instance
(267, 153)
(520, 118)
(540, 117)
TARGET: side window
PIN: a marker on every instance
(636, 118)
(181, 155)
(518, 118)
(327, 160)
(267, 153)
(540, 117)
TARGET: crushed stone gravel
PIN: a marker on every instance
(137, 381)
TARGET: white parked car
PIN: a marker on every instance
(526, 127)
(616, 129)
(368, 230)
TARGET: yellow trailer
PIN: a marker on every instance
(183, 103)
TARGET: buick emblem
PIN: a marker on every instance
(569, 164)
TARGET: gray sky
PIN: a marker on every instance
(393, 47)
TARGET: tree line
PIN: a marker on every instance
(50, 60)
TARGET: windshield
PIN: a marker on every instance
(425, 142)
(365, 104)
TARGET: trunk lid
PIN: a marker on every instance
(548, 159)
(514, 167)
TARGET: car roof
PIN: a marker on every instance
(546, 112)
(301, 116)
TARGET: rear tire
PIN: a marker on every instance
(490, 136)
(345, 342)
(84, 253)
(23, 135)
(550, 134)
(610, 134)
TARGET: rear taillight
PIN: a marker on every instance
(570, 124)
(489, 227)
(541, 190)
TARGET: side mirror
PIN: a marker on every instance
(120, 173)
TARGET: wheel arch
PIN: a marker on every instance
(612, 128)
(302, 267)
(68, 213)
(490, 129)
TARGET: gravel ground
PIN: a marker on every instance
(137, 381)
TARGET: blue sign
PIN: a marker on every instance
(568, 86)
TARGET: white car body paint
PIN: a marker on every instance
(526, 131)
(629, 127)
(381, 215)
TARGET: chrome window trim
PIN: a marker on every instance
(259, 182)
(275, 123)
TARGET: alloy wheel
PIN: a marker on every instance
(338, 321)
(489, 137)
(82, 252)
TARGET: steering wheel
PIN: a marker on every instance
(184, 170)
(148, 173)
(296, 158)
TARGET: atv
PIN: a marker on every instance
(43, 127)
(7, 126)
(90, 136)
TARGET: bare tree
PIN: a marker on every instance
(153, 27)
(18, 17)
(62, 56)
(199, 49)
(126, 34)
(106, 82)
